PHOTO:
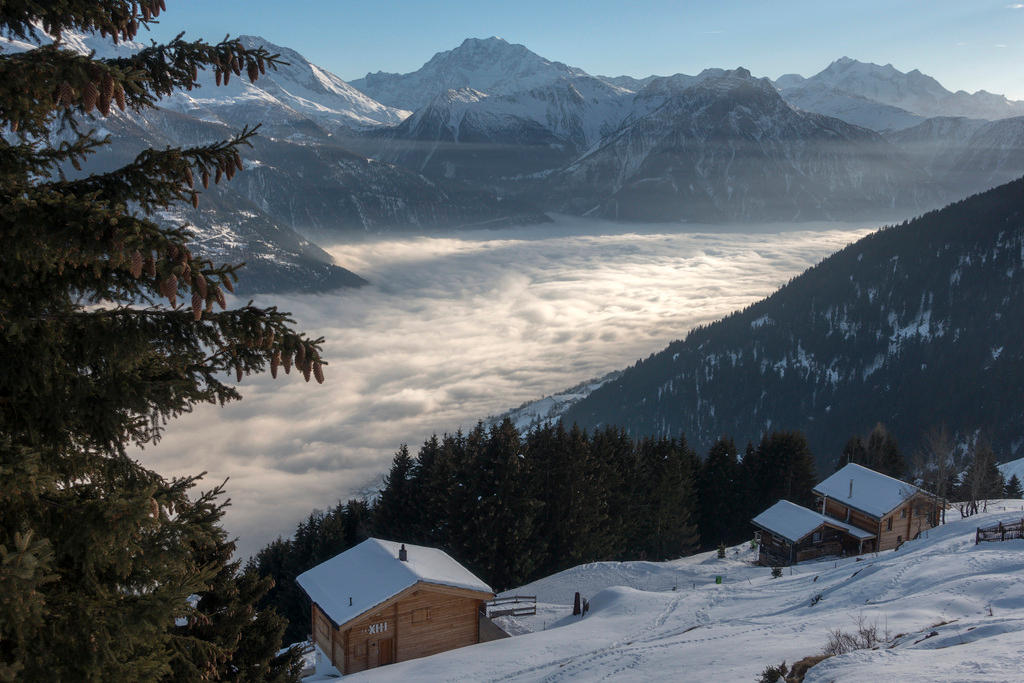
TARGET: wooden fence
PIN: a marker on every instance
(1000, 532)
(512, 605)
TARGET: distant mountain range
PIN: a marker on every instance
(490, 133)
(721, 145)
(916, 325)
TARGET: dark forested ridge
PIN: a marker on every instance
(915, 325)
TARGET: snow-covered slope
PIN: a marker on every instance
(550, 408)
(1013, 467)
(946, 609)
(294, 91)
(846, 82)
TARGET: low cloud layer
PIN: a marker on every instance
(456, 328)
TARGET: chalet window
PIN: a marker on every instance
(816, 538)
(903, 513)
(888, 524)
(420, 615)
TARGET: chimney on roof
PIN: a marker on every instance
(402, 554)
(851, 488)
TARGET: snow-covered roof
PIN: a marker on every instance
(370, 573)
(873, 492)
(793, 522)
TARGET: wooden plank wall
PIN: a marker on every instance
(420, 621)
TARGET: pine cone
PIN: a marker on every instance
(136, 264)
(306, 372)
(300, 355)
(226, 279)
(146, 14)
(216, 178)
(318, 372)
(206, 178)
(286, 360)
(189, 178)
(238, 372)
(261, 64)
(119, 96)
(219, 296)
(107, 86)
(195, 200)
(217, 76)
(170, 285)
(65, 94)
(270, 338)
(254, 72)
(197, 306)
(238, 161)
(275, 362)
(150, 266)
(200, 285)
(90, 96)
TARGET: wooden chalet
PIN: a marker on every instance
(857, 510)
(893, 510)
(791, 533)
(381, 602)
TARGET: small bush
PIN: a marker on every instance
(772, 674)
(816, 599)
(721, 551)
(776, 572)
(864, 638)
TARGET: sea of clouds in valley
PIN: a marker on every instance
(456, 327)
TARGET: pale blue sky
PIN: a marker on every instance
(965, 44)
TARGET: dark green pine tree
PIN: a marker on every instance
(225, 638)
(97, 560)
(783, 469)
(570, 486)
(501, 530)
(396, 515)
(614, 454)
(1013, 488)
(883, 453)
(721, 493)
(853, 452)
(667, 508)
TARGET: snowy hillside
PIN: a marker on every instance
(946, 609)
(1013, 467)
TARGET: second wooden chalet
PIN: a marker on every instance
(857, 510)
(893, 510)
(381, 602)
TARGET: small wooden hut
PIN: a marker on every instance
(382, 602)
(791, 533)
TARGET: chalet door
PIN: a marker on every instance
(385, 651)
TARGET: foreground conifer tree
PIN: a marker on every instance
(108, 328)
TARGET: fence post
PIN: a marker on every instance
(977, 536)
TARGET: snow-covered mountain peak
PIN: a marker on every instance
(882, 97)
(490, 65)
